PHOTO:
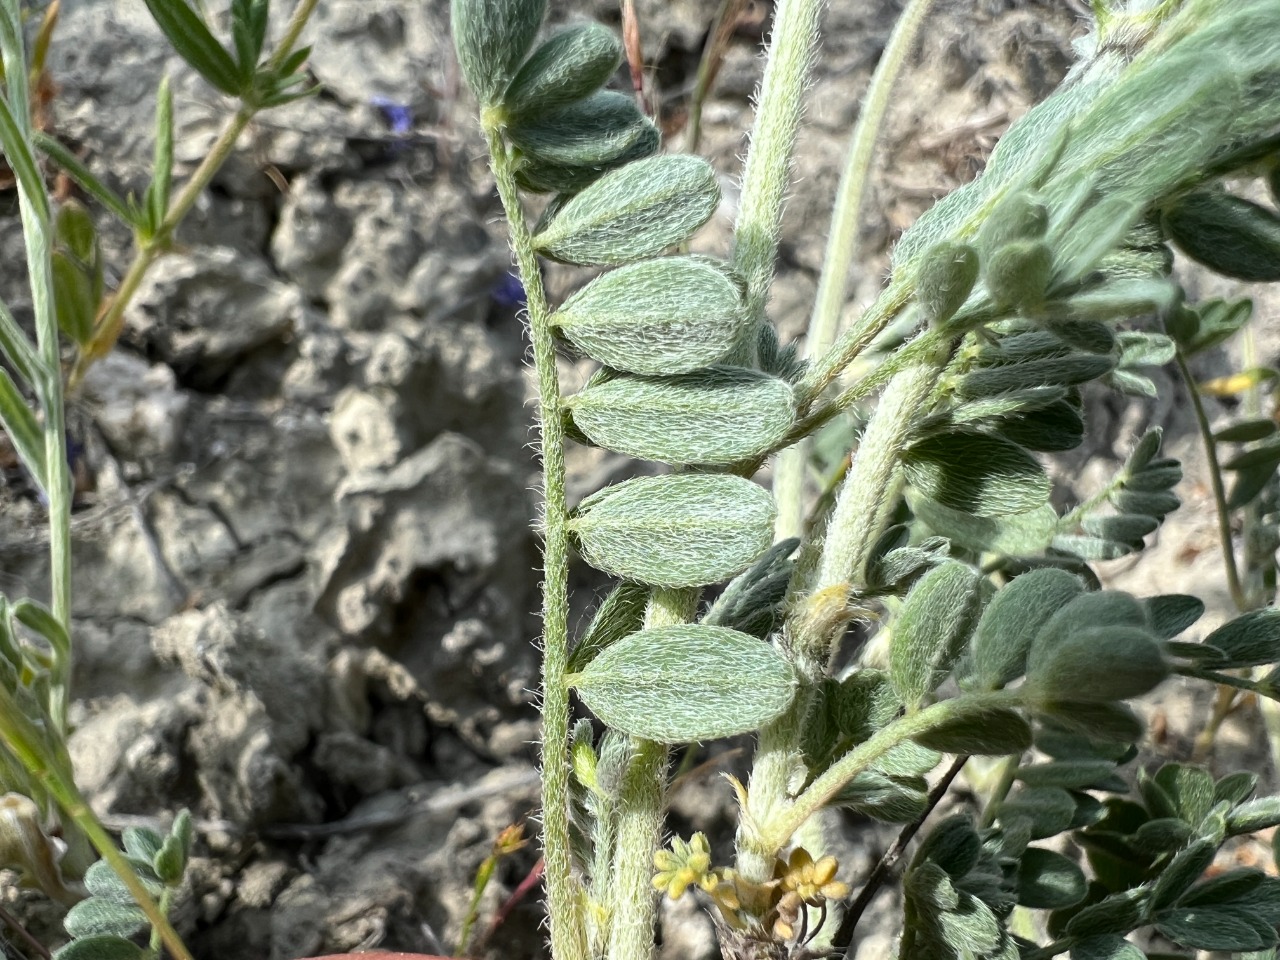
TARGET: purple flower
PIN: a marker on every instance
(509, 291)
(398, 116)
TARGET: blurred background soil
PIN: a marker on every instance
(304, 584)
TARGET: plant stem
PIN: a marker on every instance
(842, 248)
(26, 743)
(1215, 481)
(819, 793)
(564, 905)
(766, 178)
(109, 325)
(641, 810)
(1008, 774)
(880, 873)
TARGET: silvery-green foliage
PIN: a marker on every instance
(714, 416)
(658, 317)
(752, 602)
(676, 531)
(932, 628)
(569, 148)
(947, 275)
(621, 613)
(1011, 621)
(684, 683)
(101, 924)
(568, 66)
(981, 474)
(632, 213)
(993, 731)
(492, 38)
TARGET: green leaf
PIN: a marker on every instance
(1048, 810)
(676, 531)
(954, 845)
(632, 213)
(885, 798)
(1018, 274)
(1250, 640)
(191, 38)
(248, 31)
(1171, 613)
(621, 613)
(1124, 528)
(171, 861)
(1245, 431)
(993, 732)
(1097, 664)
(101, 948)
(753, 600)
(1228, 234)
(1182, 872)
(597, 131)
(1118, 913)
(98, 915)
(492, 38)
(1110, 722)
(1162, 835)
(23, 430)
(157, 201)
(1019, 534)
(659, 317)
(1211, 323)
(77, 171)
(715, 416)
(1107, 947)
(1260, 814)
(1048, 880)
(1189, 788)
(73, 299)
(1249, 484)
(1267, 454)
(1068, 370)
(1235, 787)
(1209, 929)
(102, 881)
(1055, 428)
(931, 630)
(946, 278)
(977, 473)
(569, 65)
(1013, 620)
(689, 682)
(1068, 774)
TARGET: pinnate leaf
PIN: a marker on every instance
(492, 37)
(930, 632)
(690, 682)
(1249, 640)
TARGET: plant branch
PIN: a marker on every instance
(766, 179)
(829, 783)
(568, 934)
(843, 939)
(109, 325)
(1215, 482)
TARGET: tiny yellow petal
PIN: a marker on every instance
(824, 870)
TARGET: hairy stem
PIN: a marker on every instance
(773, 139)
(568, 934)
(820, 792)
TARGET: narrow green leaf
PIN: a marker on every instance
(73, 300)
(633, 212)
(1245, 431)
(1069, 370)
(17, 151)
(1053, 429)
(1048, 810)
(946, 278)
(931, 630)
(676, 531)
(659, 317)
(97, 916)
(162, 167)
(954, 845)
(1048, 880)
(978, 473)
(1018, 274)
(1190, 789)
(170, 861)
(1214, 322)
(621, 613)
(1126, 528)
(18, 348)
(1249, 484)
(596, 131)
(23, 430)
(1267, 454)
(1250, 640)
(101, 948)
(993, 732)
(1181, 872)
(191, 38)
(715, 416)
(684, 683)
(753, 600)
(1118, 913)
(102, 881)
(1203, 928)
(1068, 774)
(568, 66)
(1254, 815)
(36, 616)
(1097, 664)
(83, 176)
(1235, 787)
(1228, 234)
(1111, 722)
(1154, 504)
(249, 31)
(1171, 613)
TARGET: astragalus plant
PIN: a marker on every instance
(976, 624)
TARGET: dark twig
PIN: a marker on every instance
(843, 939)
(21, 933)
